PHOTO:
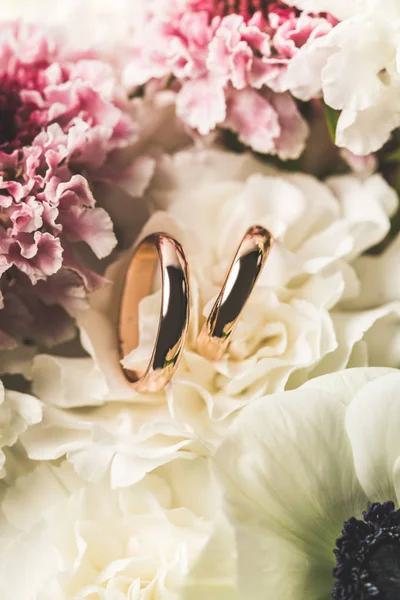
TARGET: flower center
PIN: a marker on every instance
(246, 8)
(368, 556)
(18, 114)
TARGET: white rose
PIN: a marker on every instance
(300, 471)
(295, 325)
(70, 540)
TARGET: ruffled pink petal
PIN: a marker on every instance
(242, 61)
(201, 104)
(88, 145)
(38, 256)
(207, 47)
(26, 318)
(5, 200)
(219, 54)
(291, 141)
(75, 192)
(91, 225)
(97, 73)
(267, 72)
(5, 262)
(90, 280)
(50, 216)
(27, 216)
(65, 288)
(254, 119)
(65, 115)
(295, 32)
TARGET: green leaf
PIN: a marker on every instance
(332, 118)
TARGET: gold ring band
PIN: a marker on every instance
(156, 249)
(239, 283)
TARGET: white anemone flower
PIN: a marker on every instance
(312, 487)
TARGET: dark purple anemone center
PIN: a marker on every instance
(19, 116)
(368, 556)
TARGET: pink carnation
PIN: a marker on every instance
(226, 59)
(60, 118)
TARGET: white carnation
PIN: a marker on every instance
(305, 317)
(357, 67)
(68, 540)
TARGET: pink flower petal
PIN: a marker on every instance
(38, 256)
(64, 115)
(201, 104)
(294, 129)
(26, 216)
(91, 225)
(254, 119)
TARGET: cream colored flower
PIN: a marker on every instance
(99, 432)
(70, 540)
(294, 327)
(357, 67)
(17, 412)
(299, 467)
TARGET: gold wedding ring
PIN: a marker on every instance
(239, 283)
(156, 249)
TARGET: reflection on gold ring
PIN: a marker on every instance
(156, 249)
(239, 283)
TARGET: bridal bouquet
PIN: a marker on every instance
(200, 300)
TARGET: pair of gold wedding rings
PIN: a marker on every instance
(161, 249)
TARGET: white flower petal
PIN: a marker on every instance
(274, 567)
(285, 457)
(373, 425)
(376, 274)
(296, 466)
(67, 382)
(302, 319)
(77, 540)
(382, 341)
(18, 412)
(350, 328)
(213, 574)
(367, 131)
(366, 87)
(345, 384)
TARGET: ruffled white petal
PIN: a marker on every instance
(18, 412)
(67, 539)
(379, 283)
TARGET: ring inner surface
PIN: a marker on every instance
(175, 306)
(139, 281)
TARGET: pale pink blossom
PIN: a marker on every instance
(61, 116)
(224, 60)
(295, 32)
